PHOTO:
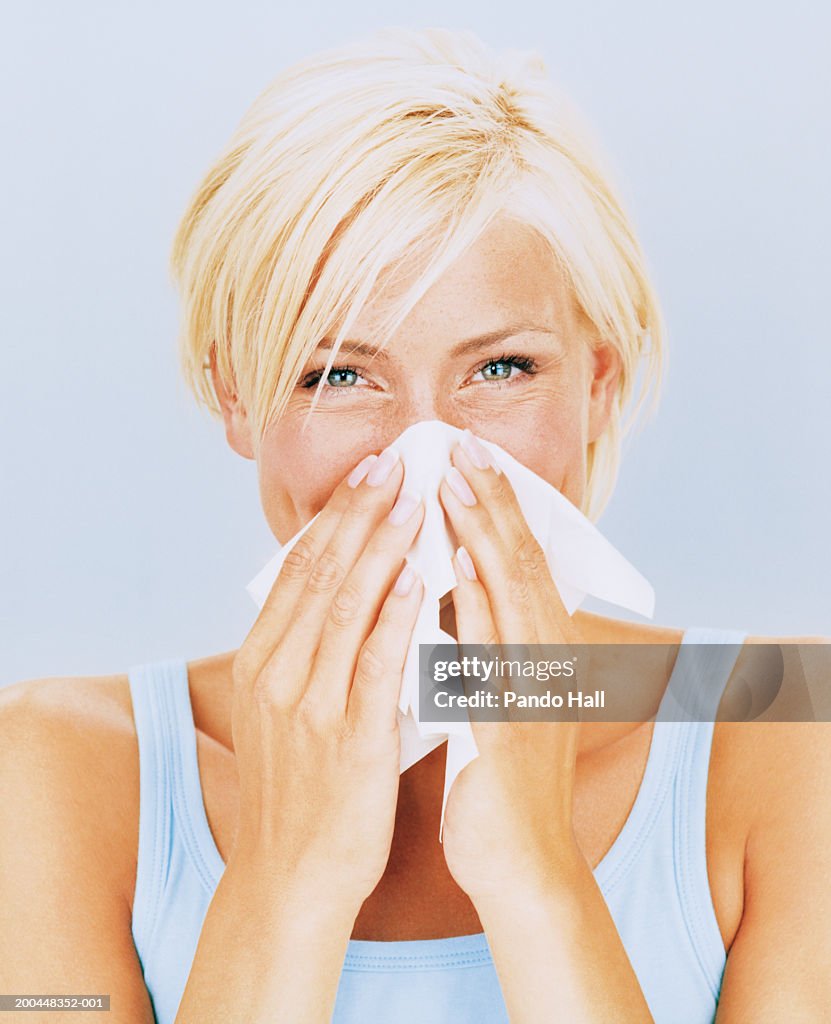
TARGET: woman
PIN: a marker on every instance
(229, 839)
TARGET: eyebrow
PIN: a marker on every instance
(468, 345)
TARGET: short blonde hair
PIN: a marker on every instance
(407, 143)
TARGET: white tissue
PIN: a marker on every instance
(580, 558)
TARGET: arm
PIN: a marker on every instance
(559, 955)
(509, 843)
(258, 951)
(317, 751)
(65, 926)
(779, 966)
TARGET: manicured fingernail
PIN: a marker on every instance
(460, 486)
(466, 563)
(383, 467)
(474, 451)
(477, 452)
(361, 470)
(404, 507)
(405, 581)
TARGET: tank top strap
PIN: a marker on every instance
(705, 660)
(712, 655)
(168, 781)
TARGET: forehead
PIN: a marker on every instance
(508, 275)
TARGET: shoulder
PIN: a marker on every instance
(778, 760)
(75, 712)
(785, 741)
(67, 696)
(774, 689)
(770, 773)
(68, 818)
(779, 772)
(69, 765)
(600, 629)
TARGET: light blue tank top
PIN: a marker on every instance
(653, 878)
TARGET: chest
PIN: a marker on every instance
(417, 897)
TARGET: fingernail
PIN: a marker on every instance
(460, 486)
(404, 507)
(405, 581)
(466, 563)
(383, 467)
(474, 451)
(361, 470)
(477, 452)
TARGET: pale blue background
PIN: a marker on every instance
(130, 529)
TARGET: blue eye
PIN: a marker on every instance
(501, 369)
(341, 377)
(338, 377)
(497, 371)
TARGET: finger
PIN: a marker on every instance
(523, 556)
(507, 589)
(323, 593)
(355, 610)
(475, 625)
(474, 620)
(276, 613)
(372, 700)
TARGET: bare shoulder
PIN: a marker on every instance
(69, 822)
(84, 700)
(601, 629)
(69, 752)
(771, 772)
(782, 752)
(782, 770)
(79, 712)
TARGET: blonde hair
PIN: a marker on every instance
(407, 143)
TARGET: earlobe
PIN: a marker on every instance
(237, 428)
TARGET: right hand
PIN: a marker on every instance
(316, 686)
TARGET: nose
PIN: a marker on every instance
(425, 405)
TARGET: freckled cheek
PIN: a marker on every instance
(298, 473)
(547, 439)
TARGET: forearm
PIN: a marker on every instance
(264, 957)
(559, 956)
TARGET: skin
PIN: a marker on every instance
(507, 278)
(70, 746)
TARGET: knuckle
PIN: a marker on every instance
(299, 561)
(372, 666)
(314, 716)
(344, 729)
(326, 574)
(363, 501)
(527, 556)
(265, 691)
(345, 605)
(389, 616)
(497, 487)
(518, 586)
(242, 668)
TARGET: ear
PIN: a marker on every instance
(237, 429)
(605, 366)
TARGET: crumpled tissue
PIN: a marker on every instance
(579, 557)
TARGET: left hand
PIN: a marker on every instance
(508, 821)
